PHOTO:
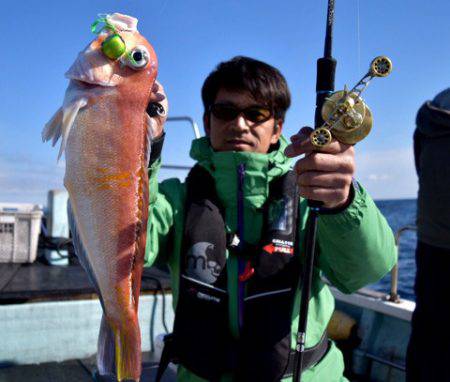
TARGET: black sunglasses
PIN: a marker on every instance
(228, 112)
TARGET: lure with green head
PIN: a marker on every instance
(114, 46)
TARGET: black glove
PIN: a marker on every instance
(156, 148)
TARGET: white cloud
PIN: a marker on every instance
(387, 174)
(25, 179)
(378, 177)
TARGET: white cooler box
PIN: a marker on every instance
(20, 225)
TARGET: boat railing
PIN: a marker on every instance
(393, 295)
(186, 118)
(195, 129)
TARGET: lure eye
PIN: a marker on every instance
(113, 47)
(138, 57)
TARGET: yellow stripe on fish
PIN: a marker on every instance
(104, 182)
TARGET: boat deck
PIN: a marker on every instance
(50, 322)
(40, 282)
(41, 305)
(73, 371)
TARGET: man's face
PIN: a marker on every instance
(240, 133)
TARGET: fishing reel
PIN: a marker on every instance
(347, 118)
(155, 109)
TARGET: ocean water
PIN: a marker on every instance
(400, 213)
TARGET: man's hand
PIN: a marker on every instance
(326, 175)
(156, 123)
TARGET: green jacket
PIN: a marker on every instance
(356, 245)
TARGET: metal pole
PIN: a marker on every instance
(187, 119)
(393, 295)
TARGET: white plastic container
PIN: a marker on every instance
(20, 225)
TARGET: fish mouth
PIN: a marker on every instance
(91, 67)
(91, 81)
(84, 84)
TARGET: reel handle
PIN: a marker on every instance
(380, 66)
(343, 114)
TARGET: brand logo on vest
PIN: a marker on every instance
(200, 264)
(207, 297)
(280, 246)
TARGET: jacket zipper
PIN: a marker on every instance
(240, 231)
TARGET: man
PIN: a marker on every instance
(233, 235)
(428, 354)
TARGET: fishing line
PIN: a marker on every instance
(358, 36)
(101, 24)
(163, 8)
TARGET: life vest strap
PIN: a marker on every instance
(311, 356)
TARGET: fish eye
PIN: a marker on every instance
(138, 57)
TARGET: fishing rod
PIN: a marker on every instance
(344, 116)
(326, 69)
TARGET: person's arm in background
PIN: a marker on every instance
(355, 242)
(418, 136)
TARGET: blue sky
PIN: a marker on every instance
(42, 38)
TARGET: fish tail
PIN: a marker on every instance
(106, 351)
(128, 351)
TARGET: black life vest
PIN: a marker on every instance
(202, 341)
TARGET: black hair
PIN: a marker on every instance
(264, 82)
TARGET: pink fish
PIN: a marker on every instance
(105, 136)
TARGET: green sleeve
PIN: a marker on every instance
(356, 245)
(160, 220)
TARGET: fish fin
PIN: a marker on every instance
(119, 342)
(69, 114)
(128, 353)
(106, 344)
(52, 129)
(81, 252)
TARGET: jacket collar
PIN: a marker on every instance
(260, 170)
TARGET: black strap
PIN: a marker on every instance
(311, 356)
(156, 149)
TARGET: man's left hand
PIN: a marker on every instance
(324, 175)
